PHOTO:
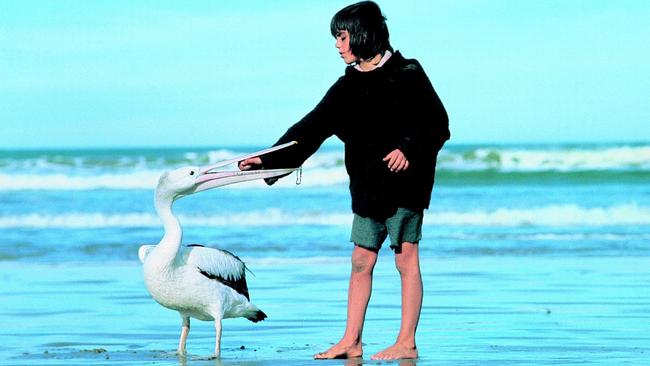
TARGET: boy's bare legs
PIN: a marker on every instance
(363, 263)
(408, 265)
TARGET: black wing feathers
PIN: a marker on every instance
(238, 285)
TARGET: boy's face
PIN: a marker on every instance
(343, 45)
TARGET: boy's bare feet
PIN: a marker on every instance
(396, 352)
(341, 350)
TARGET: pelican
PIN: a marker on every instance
(199, 282)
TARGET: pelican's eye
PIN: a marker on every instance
(191, 172)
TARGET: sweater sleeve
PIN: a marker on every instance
(309, 133)
(431, 129)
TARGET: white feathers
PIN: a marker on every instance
(144, 251)
(214, 261)
(198, 282)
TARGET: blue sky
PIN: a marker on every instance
(145, 73)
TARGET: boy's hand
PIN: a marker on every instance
(250, 163)
(397, 161)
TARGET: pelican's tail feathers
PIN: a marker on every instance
(255, 315)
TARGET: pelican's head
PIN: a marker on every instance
(191, 179)
(179, 182)
(184, 181)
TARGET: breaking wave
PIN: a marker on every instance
(548, 158)
(140, 169)
(544, 216)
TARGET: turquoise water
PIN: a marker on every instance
(96, 205)
(503, 310)
(532, 254)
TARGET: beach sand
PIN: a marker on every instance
(477, 311)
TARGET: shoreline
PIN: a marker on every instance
(483, 310)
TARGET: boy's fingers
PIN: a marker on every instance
(247, 164)
(400, 167)
(243, 165)
(392, 163)
(396, 160)
(387, 157)
(401, 164)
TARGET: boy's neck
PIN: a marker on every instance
(377, 61)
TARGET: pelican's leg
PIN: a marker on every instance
(217, 344)
(185, 330)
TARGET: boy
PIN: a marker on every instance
(393, 124)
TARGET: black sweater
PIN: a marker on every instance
(373, 113)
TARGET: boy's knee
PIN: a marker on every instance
(401, 265)
(406, 260)
(363, 260)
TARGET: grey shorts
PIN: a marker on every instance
(404, 226)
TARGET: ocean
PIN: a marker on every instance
(531, 254)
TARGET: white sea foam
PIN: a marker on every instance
(533, 159)
(272, 261)
(553, 236)
(551, 215)
(546, 216)
(147, 179)
(270, 217)
(136, 180)
(326, 167)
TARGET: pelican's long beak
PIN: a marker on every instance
(217, 179)
(208, 178)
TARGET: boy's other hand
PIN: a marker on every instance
(397, 161)
(250, 164)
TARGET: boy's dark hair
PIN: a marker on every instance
(366, 26)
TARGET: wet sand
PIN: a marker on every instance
(477, 311)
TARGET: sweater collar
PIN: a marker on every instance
(381, 62)
(388, 63)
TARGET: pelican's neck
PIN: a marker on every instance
(171, 241)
